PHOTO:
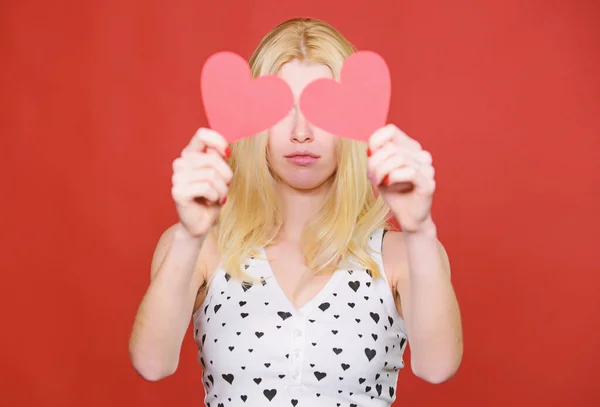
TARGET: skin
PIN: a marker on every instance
(415, 261)
(302, 188)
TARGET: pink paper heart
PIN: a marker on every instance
(355, 106)
(237, 105)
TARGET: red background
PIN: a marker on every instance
(98, 98)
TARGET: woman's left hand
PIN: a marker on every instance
(404, 174)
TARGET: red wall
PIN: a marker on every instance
(98, 98)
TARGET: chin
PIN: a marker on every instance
(307, 183)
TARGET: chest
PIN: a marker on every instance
(291, 276)
(342, 335)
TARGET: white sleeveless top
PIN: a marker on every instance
(343, 348)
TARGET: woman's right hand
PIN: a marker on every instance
(201, 178)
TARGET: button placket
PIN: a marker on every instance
(298, 347)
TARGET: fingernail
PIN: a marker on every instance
(227, 152)
(368, 152)
(223, 201)
(386, 180)
(372, 179)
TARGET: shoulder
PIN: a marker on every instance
(395, 256)
(210, 254)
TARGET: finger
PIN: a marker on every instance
(196, 143)
(207, 174)
(379, 156)
(393, 162)
(428, 171)
(392, 133)
(390, 149)
(380, 137)
(196, 160)
(426, 187)
(412, 179)
(401, 175)
(185, 193)
(205, 139)
(406, 142)
(424, 157)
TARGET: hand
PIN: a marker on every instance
(201, 180)
(404, 174)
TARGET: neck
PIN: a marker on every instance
(299, 207)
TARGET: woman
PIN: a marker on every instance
(279, 257)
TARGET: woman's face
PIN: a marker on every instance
(303, 156)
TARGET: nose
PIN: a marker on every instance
(302, 130)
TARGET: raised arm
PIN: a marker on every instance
(163, 317)
(200, 184)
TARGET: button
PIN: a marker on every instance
(295, 374)
(297, 332)
(296, 352)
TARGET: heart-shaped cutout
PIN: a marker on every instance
(356, 105)
(238, 105)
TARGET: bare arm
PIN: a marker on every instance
(165, 311)
(429, 304)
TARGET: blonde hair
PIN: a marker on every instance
(252, 218)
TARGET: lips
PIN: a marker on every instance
(302, 154)
(302, 159)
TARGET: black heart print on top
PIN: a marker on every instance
(346, 343)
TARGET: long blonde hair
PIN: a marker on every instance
(252, 218)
